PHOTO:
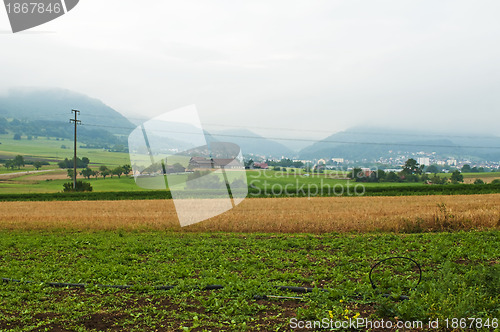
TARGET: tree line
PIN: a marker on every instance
(411, 172)
(103, 171)
(19, 161)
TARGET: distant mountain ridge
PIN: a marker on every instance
(55, 104)
(360, 143)
(371, 143)
(253, 143)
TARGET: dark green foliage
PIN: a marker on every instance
(412, 167)
(248, 163)
(392, 177)
(118, 171)
(466, 169)
(478, 181)
(204, 180)
(9, 164)
(127, 169)
(456, 177)
(19, 161)
(285, 162)
(80, 186)
(37, 165)
(80, 163)
(436, 179)
(87, 173)
(432, 169)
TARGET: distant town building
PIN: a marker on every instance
(424, 161)
(261, 165)
(206, 163)
(366, 171)
(451, 162)
(338, 160)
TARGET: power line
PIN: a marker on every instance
(314, 141)
(298, 130)
(352, 132)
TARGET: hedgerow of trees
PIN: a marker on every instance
(103, 171)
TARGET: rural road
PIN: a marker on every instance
(27, 172)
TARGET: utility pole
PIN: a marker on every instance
(76, 122)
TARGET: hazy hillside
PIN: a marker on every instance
(371, 143)
(56, 104)
(253, 143)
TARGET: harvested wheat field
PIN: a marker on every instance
(287, 215)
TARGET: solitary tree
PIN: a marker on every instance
(457, 177)
(10, 164)
(466, 169)
(248, 163)
(19, 161)
(412, 167)
(87, 173)
(392, 177)
(104, 170)
(37, 165)
(85, 161)
(126, 169)
(432, 169)
(117, 171)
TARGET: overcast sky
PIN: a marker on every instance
(321, 66)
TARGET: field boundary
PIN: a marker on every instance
(449, 189)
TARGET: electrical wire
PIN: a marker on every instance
(315, 141)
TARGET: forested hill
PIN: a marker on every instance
(55, 104)
(374, 143)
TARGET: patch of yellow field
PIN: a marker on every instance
(314, 215)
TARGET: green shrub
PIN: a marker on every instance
(80, 186)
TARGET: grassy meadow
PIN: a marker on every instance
(50, 149)
(259, 181)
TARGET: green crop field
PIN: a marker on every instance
(262, 184)
(50, 149)
(461, 279)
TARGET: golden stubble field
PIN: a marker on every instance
(314, 215)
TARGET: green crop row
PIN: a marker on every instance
(460, 279)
